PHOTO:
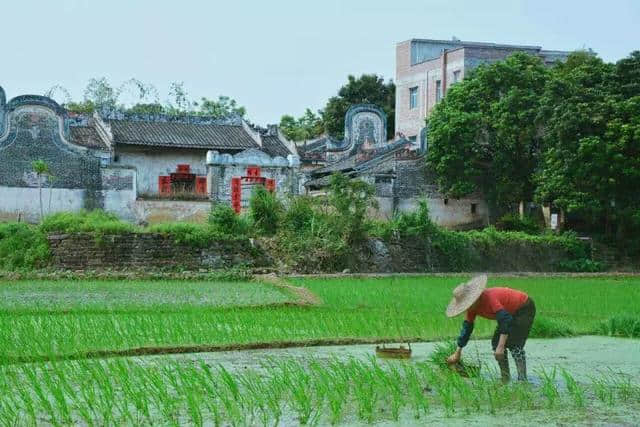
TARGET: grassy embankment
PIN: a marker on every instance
(51, 320)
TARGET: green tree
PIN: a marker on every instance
(591, 165)
(221, 108)
(484, 134)
(101, 95)
(306, 127)
(179, 102)
(367, 89)
(41, 169)
(628, 75)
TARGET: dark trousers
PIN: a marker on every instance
(520, 327)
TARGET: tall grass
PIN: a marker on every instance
(22, 246)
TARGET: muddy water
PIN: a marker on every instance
(582, 356)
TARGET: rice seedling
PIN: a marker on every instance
(625, 389)
(446, 392)
(604, 390)
(575, 390)
(549, 387)
(340, 387)
(364, 390)
(179, 313)
(416, 389)
(210, 398)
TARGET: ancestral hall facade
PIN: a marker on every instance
(396, 168)
(143, 168)
(426, 68)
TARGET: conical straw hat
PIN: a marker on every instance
(466, 294)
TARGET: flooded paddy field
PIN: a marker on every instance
(63, 346)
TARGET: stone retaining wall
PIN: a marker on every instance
(148, 250)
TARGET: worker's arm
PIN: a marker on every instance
(463, 339)
(504, 327)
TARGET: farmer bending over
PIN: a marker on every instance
(513, 310)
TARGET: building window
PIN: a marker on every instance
(413, 97)
(474, 207)
(438, 90)
(413, 138)
(446, 201)
(456, 76)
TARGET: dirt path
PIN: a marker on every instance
(304, 295)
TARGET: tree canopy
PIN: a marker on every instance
(484, 136)
(306, 127)
(366, 89)
(568, 136)
(136, 97)
(591, 164)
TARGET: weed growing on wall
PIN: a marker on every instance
(224, 220)
(265, 210)
(22, 246)
(96, 221)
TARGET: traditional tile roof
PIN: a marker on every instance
(272, 145)
(181, 135)
(353, 166)
(87, 136)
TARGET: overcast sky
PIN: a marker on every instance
(275, 57)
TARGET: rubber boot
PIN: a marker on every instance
(504, 369)
(521, 363)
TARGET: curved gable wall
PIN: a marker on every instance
(35, 130)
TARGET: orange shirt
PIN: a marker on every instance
(493, 300)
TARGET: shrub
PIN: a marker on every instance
(22, 246)
(301, 215)
(187, 233)
(265, 210)
(225, 220)
(96, 221)
(417, 223)
(350, 199)
(513, 222)
(582, 265)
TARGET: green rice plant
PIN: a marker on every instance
(525, 395)
(364, 389)
(575, 390)
(465, 392)
(208, 384)
(391, 382)
(340, 386)
(549, 388)
(25, 396)
(446, 392)
(549, 328)
(300, 382)
(416, 389)
(33, 377)
(622, 325)
(230, 397)
(604, 390)
(624, 388)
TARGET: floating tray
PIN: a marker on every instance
(400, 352)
